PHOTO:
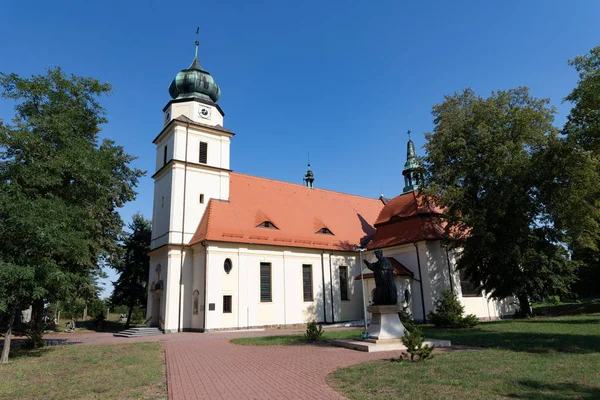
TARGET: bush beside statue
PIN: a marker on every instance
(449, 313)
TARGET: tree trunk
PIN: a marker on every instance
(37, 322)
(525, 306)
(129, 316)
(7, 337)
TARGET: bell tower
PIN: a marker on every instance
(192, 156)
(192, 167)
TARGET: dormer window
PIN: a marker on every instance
(267, 224)
(324, 231)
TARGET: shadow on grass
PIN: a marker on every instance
(18, 344)
(22, 353)
(569, 322)
(105, 326)
(520, 341)
(555, 391)
(588, 307)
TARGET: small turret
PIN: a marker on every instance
(413, 177)
(309, 178)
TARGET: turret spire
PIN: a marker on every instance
(412, 174)
(309, 177)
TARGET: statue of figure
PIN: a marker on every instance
(385, 286)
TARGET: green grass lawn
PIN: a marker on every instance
(124, 371)
(540, 358)
(284, 340)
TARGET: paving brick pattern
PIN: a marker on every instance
(214, 368)
(209, 366)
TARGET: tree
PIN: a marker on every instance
(59, 187)
(485, 167)
(16, 288)
(573, 190)
(131, 288)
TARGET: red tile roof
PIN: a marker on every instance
(407, 219)
(399, 270)
(297, 211)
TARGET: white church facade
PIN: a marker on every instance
(232, 251)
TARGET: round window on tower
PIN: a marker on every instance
(227, 265)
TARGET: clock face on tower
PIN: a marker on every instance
(167, 116)
(204, 112)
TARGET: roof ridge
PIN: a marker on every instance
(302, 186)
(208, 211)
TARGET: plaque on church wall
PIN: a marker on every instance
(211, 306)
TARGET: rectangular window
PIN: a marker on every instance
(265, 282)
(468, 288)
(307, 282)
(203, 152)
(165, 155)
(344, 283)
(227, 304)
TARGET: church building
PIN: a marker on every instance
(233, 251)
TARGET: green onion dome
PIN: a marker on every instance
(195, 83)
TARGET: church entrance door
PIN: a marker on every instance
(155, 310)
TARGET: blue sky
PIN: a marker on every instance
(343, 80)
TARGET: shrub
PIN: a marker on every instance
(449, 313)
(97, 309)
(414, 345)
(407, 321)
(313, 331)
(469, 321)
(34, 337)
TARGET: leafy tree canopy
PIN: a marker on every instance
(60, 187)
(485, 167)
(133, 265)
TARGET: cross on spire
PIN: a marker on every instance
(408, 133)
(197, 42)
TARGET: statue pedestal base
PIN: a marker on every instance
(385, 323)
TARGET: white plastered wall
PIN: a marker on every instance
(287, 306)
(193, 180)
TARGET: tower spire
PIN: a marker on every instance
(196, 64)
(197, 42)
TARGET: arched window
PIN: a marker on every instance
(227, 266)
(195, 302)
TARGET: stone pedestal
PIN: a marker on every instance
(385, 323)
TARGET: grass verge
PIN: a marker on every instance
(540, 358)
(124, 371)
(284, 340)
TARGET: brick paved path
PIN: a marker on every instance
(209, 366)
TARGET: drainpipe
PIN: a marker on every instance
(323, 278)
(420, 281)
(187, 133)
(203, 243)
(331, 287)
(284, 299)
(449, 271)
